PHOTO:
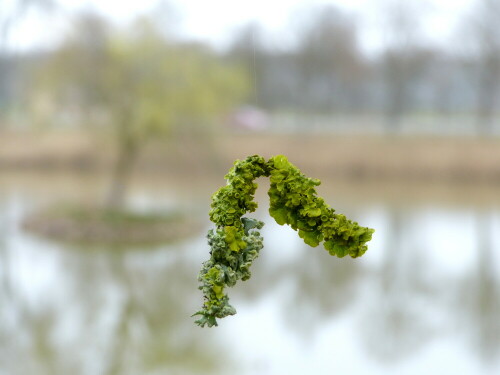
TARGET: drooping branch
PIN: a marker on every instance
(235, 243)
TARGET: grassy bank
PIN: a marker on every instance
(94, 226)
(397, 158)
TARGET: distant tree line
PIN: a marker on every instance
(326, 71)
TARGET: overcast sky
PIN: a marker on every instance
(216, 20)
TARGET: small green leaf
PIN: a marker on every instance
(314, 212)
(280, 215)
(310, 238)
(218, 291)
(280, 162)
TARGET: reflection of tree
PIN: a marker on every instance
(4, 289)
(481, 306)
(152, 313)
(311, 289)
(41, 347)
(15, 336)
(396, 325)
(118, 313)
(322, 288)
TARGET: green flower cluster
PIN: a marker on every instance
(236, 242)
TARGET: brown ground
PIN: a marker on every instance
(455, 160)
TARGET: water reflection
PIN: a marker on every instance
(99, 312)
(321, 289)
(479, 302)
(429, 284)
(419, 299)
(395, 322)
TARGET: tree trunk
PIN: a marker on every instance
(487, 97)
(122, 171)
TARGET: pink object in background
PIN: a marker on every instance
(250, 118)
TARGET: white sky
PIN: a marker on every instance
(215, 20)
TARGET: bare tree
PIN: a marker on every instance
(484, 36)
(324, 70)
(403, 58)
(247, 49)
(11, 13)
(137, 86)
(329, 60)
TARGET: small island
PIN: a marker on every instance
(99, 226)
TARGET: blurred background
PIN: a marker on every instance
(131, 112)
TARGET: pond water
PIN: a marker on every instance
(425, 298)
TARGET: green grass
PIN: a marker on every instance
(96, 226)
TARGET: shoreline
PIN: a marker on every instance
(358, 158)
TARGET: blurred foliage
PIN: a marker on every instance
(139, 84)
(139, 81)
(235, 244)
